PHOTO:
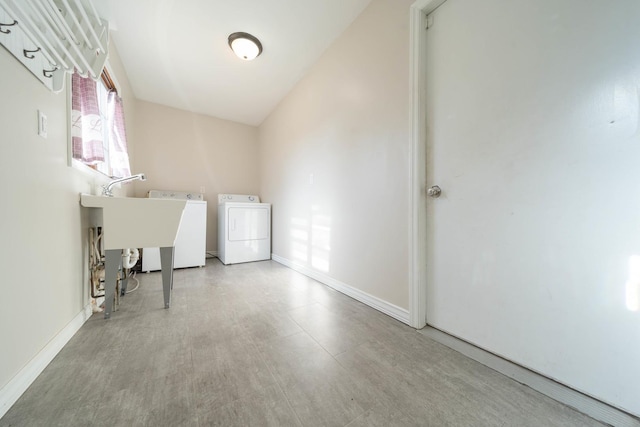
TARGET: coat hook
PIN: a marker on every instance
(7, 25)
(27, 52)
(49, 73)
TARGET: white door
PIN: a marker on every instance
(534, 244)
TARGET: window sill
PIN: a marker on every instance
(90, 172)
(94, 178)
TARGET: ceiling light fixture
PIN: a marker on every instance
(245, 46)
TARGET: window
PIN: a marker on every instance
(98, 137)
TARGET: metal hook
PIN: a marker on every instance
(7, 25)
(49, 73)
(27, 52)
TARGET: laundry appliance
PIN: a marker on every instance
(244, 229)
(191, 241)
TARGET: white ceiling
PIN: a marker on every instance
(175, 52)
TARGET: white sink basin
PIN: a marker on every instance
(131, 222)
(128, 222)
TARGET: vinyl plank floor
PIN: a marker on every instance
(258, 344)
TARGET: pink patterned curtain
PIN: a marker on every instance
(118, 154)
(86, 123)
(89, 130)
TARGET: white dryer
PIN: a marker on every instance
(244, 229)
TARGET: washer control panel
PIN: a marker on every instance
(180, 195)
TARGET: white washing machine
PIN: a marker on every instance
(244, 229)
(191, 241)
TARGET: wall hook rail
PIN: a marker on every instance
(27, 53)
(67, 36)
(7, 25)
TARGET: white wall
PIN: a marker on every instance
(183, 151)
(346, 123)
(43, 253)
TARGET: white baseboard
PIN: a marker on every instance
(588, 405)
(12, 391)
(374, 302)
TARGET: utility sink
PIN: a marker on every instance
(129, 222)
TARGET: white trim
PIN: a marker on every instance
(555, 390)
(12, 391)
(374, 302)
(426, 6)
(417, 166)
(69, 108)
(89, 172)
(417, 288)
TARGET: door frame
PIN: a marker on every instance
(417, 168)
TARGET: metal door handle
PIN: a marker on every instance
(434, 191)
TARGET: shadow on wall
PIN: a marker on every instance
(311, 240)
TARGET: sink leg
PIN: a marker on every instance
(113, 258)
(123, 284)
(166, 263)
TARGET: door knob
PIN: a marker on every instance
(434, 191)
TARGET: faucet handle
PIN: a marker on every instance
(106, 191)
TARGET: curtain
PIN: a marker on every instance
(118, 154)
(87, 136)
(97, 128)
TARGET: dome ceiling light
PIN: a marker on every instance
(245, 46)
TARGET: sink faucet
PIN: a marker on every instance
(106, 189)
